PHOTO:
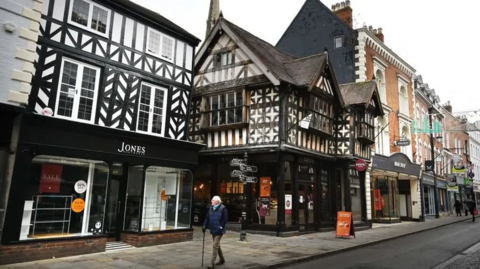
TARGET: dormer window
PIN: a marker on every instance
(338, 41)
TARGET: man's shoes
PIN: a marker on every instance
(211, 266)
(220, 262)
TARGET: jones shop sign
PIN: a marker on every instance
(131, 149)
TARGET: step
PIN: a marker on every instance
(115, 246)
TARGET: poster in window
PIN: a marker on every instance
(51, 178)
(288, 204)
(265, 186)
(264, 206)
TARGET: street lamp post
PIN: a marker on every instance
(432, 152)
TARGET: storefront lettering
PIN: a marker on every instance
(131, 149)
(399, 164)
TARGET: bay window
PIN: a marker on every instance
(365, 129)
(151, 111)
(224, 109)
(322, 114)
(90, 16)
(78, 91)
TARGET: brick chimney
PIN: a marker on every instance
(379, 34)
(448, 107)
(344, 12)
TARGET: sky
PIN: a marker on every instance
(434, 37)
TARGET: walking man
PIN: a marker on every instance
(216, 220)
(471, 206)
(458, 208)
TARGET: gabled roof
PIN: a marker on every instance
(361, 93)
(303, 70)
(272, 57)
(156, 18)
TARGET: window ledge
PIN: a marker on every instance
(366, 140)
(225, 127)
(321, 132)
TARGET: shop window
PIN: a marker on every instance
(167, 199)
(322, 114)
(78, 91)
(355, 193)
(289, 175)
(160, 45)
(365, 130)
(202, 189)
(90, 16)
(325, 198)
(64, 197)
(386, 200)
(151, 110)
(224, 109)
(133, 199)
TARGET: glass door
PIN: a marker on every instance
(115, 203)
(306, 205)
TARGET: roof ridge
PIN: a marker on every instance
(304, 58)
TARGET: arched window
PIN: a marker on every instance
(381, 85)
(403, 95)
(382, 141)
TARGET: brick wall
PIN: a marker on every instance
(152, 239)
(393, 98)
(33, 251)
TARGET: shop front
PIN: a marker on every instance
(476, 190)
(394, 188)
(428, 194)
(85, 185)
(443, 199)
(304, 197)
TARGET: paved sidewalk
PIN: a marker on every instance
(259, 251)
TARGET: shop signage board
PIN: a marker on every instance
(345, 226)
(360, 165)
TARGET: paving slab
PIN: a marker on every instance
(258, 252)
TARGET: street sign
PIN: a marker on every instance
(402, 143)
(248, 168)
(236, 162)
(305, 122)
(429, 166)
(248, 179)
(360, 165)
(236, 173)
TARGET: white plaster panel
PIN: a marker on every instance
(179, 53)
(189, 58)
(117, 27)
(128, 33)
(140, 38)
(58, 10)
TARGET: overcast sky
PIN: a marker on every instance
(435, 37)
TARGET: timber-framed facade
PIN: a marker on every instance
(249, 97)
(104, 138)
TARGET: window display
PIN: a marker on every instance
(386, 199)
(167, 199)
(65, 197)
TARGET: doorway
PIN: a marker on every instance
(306, 206)
(115, 203)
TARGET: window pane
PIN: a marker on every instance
(67, 197)
(238, 114)
(223, 101)
(154, 42)
(231, 115)
(87, 93)
(167, 199)
(231, 99)
(158, 111)
(99, 20)
(167, 48)
(239, 100)
(80, 12)
(222, 117)
(67, 89)
(144, 108)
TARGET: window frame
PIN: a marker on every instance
(311, 107)
(218, 59)
(207, 110)
(363, 123)
(150, 112)
(162, 36)
(335, 39)
(89, 19)
(76, 101)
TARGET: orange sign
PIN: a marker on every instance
(164, 197)
(344, 224)
(265, 186)
(78, 205)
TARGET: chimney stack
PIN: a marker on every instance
(379, 34)
(344, 12)
(448, 107)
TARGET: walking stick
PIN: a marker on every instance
(203, 247)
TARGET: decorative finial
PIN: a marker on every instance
(221, 14)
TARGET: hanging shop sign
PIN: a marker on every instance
(360, 165)
(402, 143)
(345, 226)
(429, 166)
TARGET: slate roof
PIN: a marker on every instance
(155, 17)
(358, 93)
(303, 70)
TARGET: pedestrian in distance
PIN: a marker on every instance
(216, 220)
(471, 206)
(458, 207)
